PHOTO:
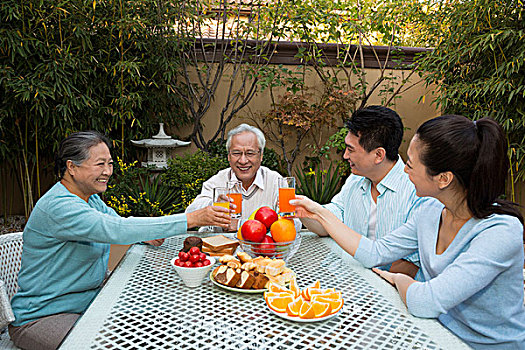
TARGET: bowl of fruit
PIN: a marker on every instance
(192, 266)
(266, 234)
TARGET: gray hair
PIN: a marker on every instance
(261, 140)
(75, 148)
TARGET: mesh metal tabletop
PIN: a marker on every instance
(145, 305)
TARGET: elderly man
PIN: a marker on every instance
(377, 197)
(245, 146)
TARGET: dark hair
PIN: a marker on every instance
(476, 153)
(75, 148)
(377, 126)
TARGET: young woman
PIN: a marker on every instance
(67, 237)
(470, 241)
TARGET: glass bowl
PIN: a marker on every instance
(277, 250)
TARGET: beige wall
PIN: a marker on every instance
(411, 111)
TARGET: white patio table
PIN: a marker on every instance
(145, 305)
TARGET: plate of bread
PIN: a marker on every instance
(244, 274)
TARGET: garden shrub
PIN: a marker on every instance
(136, 191)
(187, 173)
(478, 65)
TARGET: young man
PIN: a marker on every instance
(377, 197)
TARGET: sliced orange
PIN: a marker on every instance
(267, 295)
(279, 303)
(274, 287)
(306, 311)
(335, 304)
(316, 291)
(332, 295)
(321, 309)
(294, 307)
(316, 284)
(294, 287)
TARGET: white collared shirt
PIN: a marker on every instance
(264, 191)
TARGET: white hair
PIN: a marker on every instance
(261, 140)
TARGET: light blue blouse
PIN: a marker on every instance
(475, 287)
(66, 251)
(396, 201)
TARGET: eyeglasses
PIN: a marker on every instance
(248, 154)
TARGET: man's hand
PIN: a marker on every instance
(405, 267)
(305, 207)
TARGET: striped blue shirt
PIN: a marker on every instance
(396, 201)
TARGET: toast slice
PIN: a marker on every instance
(222, 252)
(219, 243)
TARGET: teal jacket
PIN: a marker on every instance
(66, 251)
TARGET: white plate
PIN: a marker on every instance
(303, 320)
(239, 290)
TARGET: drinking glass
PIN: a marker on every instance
(220, 197)
(286, 193)
(235, 193)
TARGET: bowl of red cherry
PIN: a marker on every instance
(192, 266)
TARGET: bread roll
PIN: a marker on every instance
(275, 267)
(244, 257)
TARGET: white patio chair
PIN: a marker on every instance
(10, 260)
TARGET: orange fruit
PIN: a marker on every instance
(306, 311)
(239, 235)
(283, 230)
(309, 292)
(279, 303)
(294, 307)
(335, 304)
(294, 287)
(274, 287)
(315, 291)
(321, 309)
(267, 295)
(316, 284)
(332, 295)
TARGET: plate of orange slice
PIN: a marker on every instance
(312, 304)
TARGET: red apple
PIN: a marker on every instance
(267, 216)
(266, 247)
(253, 231)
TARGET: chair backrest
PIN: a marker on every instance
(10, 260)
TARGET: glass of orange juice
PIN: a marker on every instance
(286, 193)
(220, 197)
(235, 193)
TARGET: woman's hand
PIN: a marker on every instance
(399, 280)
(210, 216)
(306, 208)
(386, 275)
(156, 242)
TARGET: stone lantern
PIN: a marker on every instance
(160, 148)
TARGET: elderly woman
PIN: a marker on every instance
(67, 238)
(470, 241)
